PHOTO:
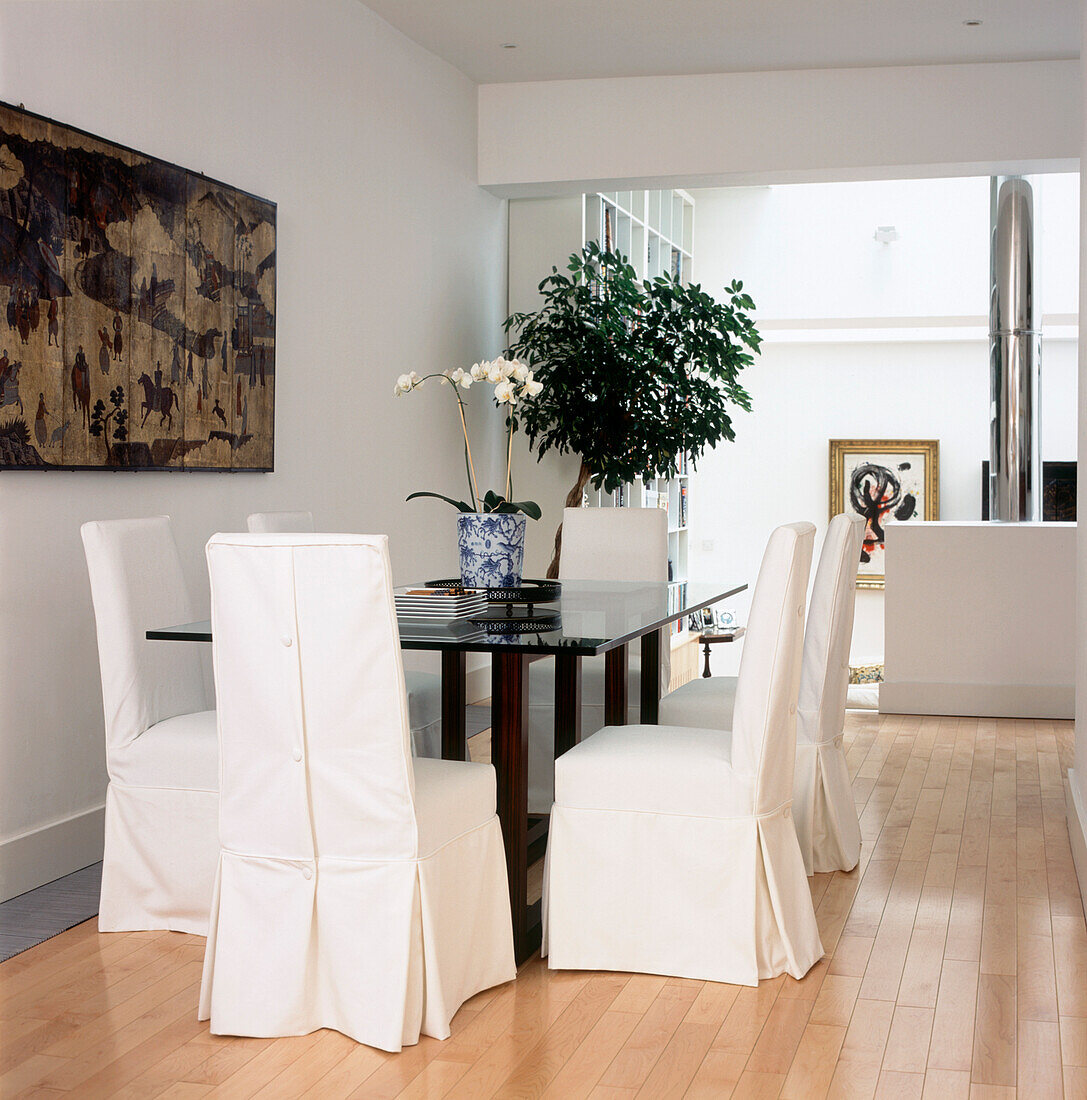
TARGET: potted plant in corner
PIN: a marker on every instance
(491, 527)
(636, 372)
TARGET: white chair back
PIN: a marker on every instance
(764, 717)
(137, 584)
(618, 544)
(286, 522)
(824, 676)
(614, 544)
(314, 747)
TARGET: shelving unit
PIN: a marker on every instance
(654, 229)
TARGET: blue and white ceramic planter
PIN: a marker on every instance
(492, 549)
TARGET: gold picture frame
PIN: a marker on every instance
(878, 479)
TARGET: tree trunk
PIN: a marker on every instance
(573, 500)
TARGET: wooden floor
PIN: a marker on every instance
(957, 967)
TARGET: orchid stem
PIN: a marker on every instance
(509, 457)
(472, 484)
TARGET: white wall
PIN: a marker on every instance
(1077, 778)
(389, 258)
(689, 131)
(808, 251)
(974, 627)
(542, 234)
(865, 341)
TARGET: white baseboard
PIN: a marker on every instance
(41, 855)
(1077, 831)
(978, 700)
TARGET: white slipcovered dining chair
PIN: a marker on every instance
(162, 801)
(357, 888)
(424, 688)
(268, 523)
(823, 806)
(672, 850)
(598, 544)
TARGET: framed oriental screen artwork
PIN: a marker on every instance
(138, 308)
(884, 481)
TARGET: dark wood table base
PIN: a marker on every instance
(525, 834)
(509, 754)
(454, 700)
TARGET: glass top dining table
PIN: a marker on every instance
(589, 618)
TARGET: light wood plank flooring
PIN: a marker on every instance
(956, 967)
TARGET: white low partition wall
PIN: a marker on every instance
(980, 619)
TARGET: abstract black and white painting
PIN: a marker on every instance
(884, 481)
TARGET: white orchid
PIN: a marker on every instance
(512, 381)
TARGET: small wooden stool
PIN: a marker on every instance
(712, 639)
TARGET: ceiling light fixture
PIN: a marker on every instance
(509, 45)
(971, 22)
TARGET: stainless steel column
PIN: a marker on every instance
(1015, 355)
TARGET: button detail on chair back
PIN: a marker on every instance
(162, 800)
(424, 688)
(357, 888)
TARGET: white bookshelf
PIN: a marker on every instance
(653, 229)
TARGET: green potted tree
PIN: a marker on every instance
(635, 372)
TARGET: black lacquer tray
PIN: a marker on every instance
(529, 622)
(529, 592)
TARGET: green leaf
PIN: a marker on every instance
(528, 507)
(460, 505)
(495, 504)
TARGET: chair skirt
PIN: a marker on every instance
(716, 899)
(402, 943)
(826, 815)
(158, 863)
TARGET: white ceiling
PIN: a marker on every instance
(563, 39)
